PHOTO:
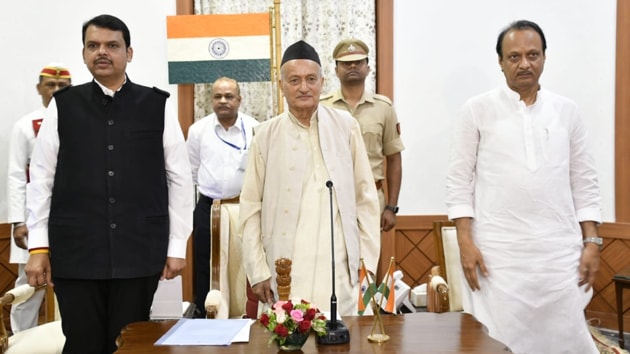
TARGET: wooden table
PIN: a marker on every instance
(423, 332)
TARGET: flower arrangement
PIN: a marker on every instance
(285, 318)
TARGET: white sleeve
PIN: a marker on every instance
(16, 179)
(42, 171)
(180, 184)
(461, 166)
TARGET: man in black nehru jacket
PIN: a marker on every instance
(111, 197)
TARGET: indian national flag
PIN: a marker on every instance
(202, 48)
(366, 291)
(387, 289)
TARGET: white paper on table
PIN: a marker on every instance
(167, 300)
(202, 331)
(243, 335)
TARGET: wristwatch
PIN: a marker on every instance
(393, 209)
(596, 240)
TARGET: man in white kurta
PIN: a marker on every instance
(286, 206)
(523, 191)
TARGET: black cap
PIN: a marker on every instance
(300, 50)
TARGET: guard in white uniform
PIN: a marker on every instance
(51, 78)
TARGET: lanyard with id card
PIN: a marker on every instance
(243, 152)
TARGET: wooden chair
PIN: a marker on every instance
(437, 292)
(230, 295)
(43, 339)
(621, 281)
(450, 267)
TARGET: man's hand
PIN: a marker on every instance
(173, 268)
(471, 258)
(263, 291)
(38, 270)
(20, 236)
(469, 253)
(589, 265)
(388, 220)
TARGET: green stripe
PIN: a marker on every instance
(189, 72)
(384, 289)
(369, 293)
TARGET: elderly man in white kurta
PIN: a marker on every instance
(285, 204)
(523, 191)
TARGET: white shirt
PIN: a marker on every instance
(217, 156)
(525, 176)
(20, 151)
(180, 188)
(536, 153)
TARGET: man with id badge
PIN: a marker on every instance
(218, 146)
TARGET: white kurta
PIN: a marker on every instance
(314, 265)
(285, 209)
(526, 178)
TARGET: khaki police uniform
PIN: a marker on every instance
(375, 113)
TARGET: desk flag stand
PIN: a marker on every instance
(387, 291)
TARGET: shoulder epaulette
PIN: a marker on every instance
(161, 91)
(383, 98)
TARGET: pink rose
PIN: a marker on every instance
(297, 315)
(278, 305)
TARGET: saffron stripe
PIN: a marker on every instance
(238, 48)
(186, 26)
(209, 70)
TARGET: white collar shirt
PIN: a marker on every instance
(218, 156)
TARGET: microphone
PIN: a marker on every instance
(336, 331)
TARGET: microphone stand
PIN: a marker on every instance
(336, 331)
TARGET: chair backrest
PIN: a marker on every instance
(447, 249)
(46, 338)
(228, 297)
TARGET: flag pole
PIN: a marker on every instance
(275, 48)
(380, 337)
(391, 261)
